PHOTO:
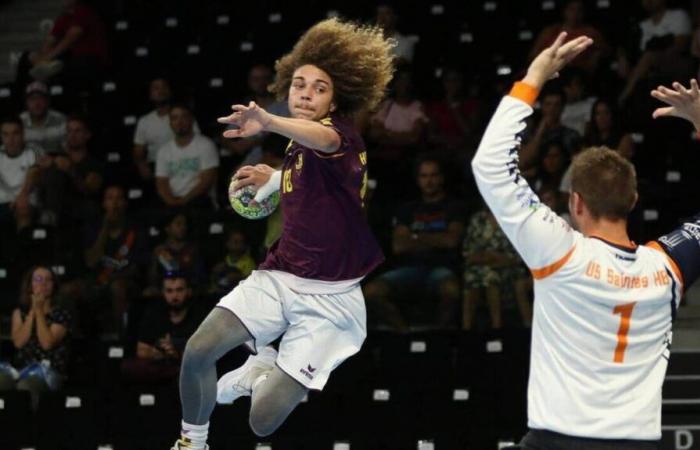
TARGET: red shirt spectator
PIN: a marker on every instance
(92, 41)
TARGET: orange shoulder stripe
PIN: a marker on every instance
(546, 271)
(655, 245)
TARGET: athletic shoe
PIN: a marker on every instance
(183, 445)
(239, 382)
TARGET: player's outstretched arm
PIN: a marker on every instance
(253, 119)
(682, 102)
(543, 240)
(682, 245)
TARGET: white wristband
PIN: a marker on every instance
(272, 185)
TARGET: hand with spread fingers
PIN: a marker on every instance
(251, 120)
(683, 102)
(256, 176)
(552, 59)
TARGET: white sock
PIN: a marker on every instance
(195, 435)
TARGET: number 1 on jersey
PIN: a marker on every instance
(625, 312)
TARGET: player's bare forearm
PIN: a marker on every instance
(305, 132)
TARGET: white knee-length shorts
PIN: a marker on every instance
(321, 330)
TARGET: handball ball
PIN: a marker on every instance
(240, 201)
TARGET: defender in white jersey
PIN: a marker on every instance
(603, 307)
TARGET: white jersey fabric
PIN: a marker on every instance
(601, 330)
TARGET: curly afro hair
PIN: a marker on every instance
(357, 58)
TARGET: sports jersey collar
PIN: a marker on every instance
(624, 247)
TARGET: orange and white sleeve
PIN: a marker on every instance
(544, 240)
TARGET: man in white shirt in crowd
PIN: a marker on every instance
(186, 168)
(18, 173)
(43, 126)
(153, 129)
(664, 43)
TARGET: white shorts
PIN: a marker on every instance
(320, 330)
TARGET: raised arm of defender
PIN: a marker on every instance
(542, 239)
(683, 243)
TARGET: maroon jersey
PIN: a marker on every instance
(325, 235)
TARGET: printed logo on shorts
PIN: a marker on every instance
(308, 372)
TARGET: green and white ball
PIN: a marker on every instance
(240, 202)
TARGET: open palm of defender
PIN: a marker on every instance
(251, 120)
(684, 103)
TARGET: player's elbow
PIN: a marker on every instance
(329, 142)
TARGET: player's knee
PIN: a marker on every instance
(262, 423)
(197, 351)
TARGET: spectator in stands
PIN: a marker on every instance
(163, 332)
(177, 253)
(43, 126)
(236, 265)
(153, 130)
(399, 126)
(19, 173)
(40, 335)
(605, 129)
(70, 187)
(552, 167)
(387, 20)
(426, 239)
(492, 269)
(454, 118)
(695, 43)
(248, 151)
(574, 23)
(114, 256)
(664, 44)
(186, 167)
(548, 129)
(577, 109)
(77, 44)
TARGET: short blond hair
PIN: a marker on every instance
(606, 181)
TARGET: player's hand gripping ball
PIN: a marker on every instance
(242, 202)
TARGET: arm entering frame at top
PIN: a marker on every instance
(542, 238)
